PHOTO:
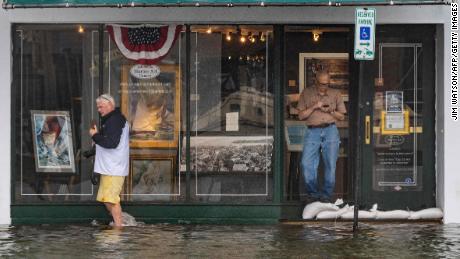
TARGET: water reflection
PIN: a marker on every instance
(234, 241)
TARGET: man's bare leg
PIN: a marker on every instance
(115, 211)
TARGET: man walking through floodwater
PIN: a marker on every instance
(112, 155)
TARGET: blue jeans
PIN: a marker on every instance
(325, 140)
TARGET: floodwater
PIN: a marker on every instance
(317, 240)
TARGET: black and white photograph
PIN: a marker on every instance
(230, 154)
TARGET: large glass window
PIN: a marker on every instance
(57, 76)
(231, 114)
(57, 72)
(150, 98)
(54, 89)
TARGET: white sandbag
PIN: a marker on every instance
(311, 210)
(393, 214)
(374, 208)
(362, 214)
(331, 214)
(431, 213)
(338, 202)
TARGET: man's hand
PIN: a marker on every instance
(318, 105)
(93, 130)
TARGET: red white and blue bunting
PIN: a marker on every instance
(146, 44)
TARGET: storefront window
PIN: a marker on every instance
(231, 114)
(54, 88)
(150, 97)
(57, 72)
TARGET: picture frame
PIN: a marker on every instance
(152, 107)
(151, 177)
(52, 141)
(335, 63)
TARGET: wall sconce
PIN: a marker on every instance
(209, 30)
(316, 34)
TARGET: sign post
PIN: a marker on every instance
(364, 50)
(364, 34)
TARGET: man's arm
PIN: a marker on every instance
(111, 135)
(304, 111)
(303, 114)
(339, 113)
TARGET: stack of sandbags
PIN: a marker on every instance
(319, 210)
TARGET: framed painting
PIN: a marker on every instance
(52, 140)
(335, 63)
(151, 103)
(151, 177)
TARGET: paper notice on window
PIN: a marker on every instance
(394, 121)
(232, 119)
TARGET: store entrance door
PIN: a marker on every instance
(309, 49)
(398, 118)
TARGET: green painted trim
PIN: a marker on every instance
(174, 213)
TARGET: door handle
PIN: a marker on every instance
(367, 137)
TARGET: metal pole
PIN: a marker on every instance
(187, 112)
(358, 170)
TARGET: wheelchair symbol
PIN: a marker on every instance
(365, 33)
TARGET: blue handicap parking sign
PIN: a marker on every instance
(364, 33)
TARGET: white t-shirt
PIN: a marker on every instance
(114, 161)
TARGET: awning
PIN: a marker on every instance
(9, 4)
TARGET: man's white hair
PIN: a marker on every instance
(105, 98)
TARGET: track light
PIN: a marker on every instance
(262, 37)
(242, 39)
(316, 34)
(229, 36)
(81, 29)
(251, 38)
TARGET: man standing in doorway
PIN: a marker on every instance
(321, 107)
(112, 155)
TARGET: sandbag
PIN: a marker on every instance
(331, 214)
(362, 214)
(431, 213)
(393, 214)
(311, 210)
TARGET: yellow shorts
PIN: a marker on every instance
(110, 188)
